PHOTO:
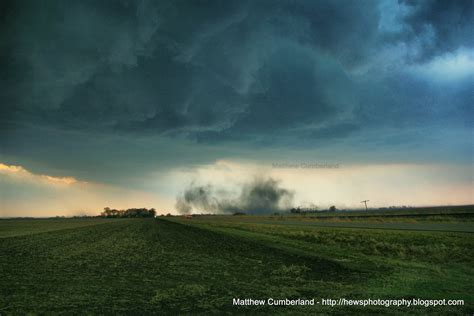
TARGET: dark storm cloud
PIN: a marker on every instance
(161, 67)
(253, 72)
(440, 26)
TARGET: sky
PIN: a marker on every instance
(217, 106)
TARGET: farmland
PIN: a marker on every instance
(199, 264)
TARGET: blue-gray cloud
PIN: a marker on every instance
(254, 73)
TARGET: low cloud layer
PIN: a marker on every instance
(260, 196)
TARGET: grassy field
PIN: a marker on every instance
(198, 265)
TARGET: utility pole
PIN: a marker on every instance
(365, 202)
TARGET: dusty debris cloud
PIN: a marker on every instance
(259, 196)
(197, 197)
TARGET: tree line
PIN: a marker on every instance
(129, 213)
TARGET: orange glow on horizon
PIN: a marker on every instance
(19, 170)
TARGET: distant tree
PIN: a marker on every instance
(129, 213)
(332, 209)
(107, 212)
(295, 210)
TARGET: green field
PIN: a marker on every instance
(193, 265)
